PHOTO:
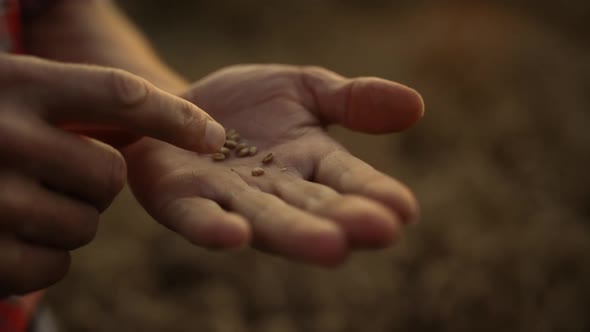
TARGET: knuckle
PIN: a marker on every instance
(408, 206)
(13, 197)
(84, 230)
(172, 212)
(191, 119)
(128, 90)
(117, 173)
(53, 272)
(311, 72)
(23, 69)
(11, 69)
(189, 116)
(312, 68)
(67, 227)
(20, 143)
(25, 273)
(114, 178)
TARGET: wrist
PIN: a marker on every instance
(103, 36)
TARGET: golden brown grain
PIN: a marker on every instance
(230, 132)
(218, 156)
(243, 152)
(240, 146)
(257, 171)
(252, 150)
(230, 144)
(225, 151)
(268, 158)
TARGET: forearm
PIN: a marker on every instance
(96, 32)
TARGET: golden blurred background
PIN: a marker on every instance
(500, 164)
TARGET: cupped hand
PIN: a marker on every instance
(53, 183)
(315, 202)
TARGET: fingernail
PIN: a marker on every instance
(214, 135)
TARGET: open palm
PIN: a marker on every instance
(315, 201)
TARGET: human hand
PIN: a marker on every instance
(326, 203)
(53, 183)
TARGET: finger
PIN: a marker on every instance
(367, 104)
(204, 223)
(367, 224)
(286, 230)
(114, 137)
(25, 267)
(42, 217)
(350, 175)
(92, 94)
(67, 163)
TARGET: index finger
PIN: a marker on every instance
(71, 93)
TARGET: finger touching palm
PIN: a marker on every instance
(315, 201)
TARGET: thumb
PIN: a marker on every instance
(366, 104)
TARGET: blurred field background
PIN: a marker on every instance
(500, 164)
